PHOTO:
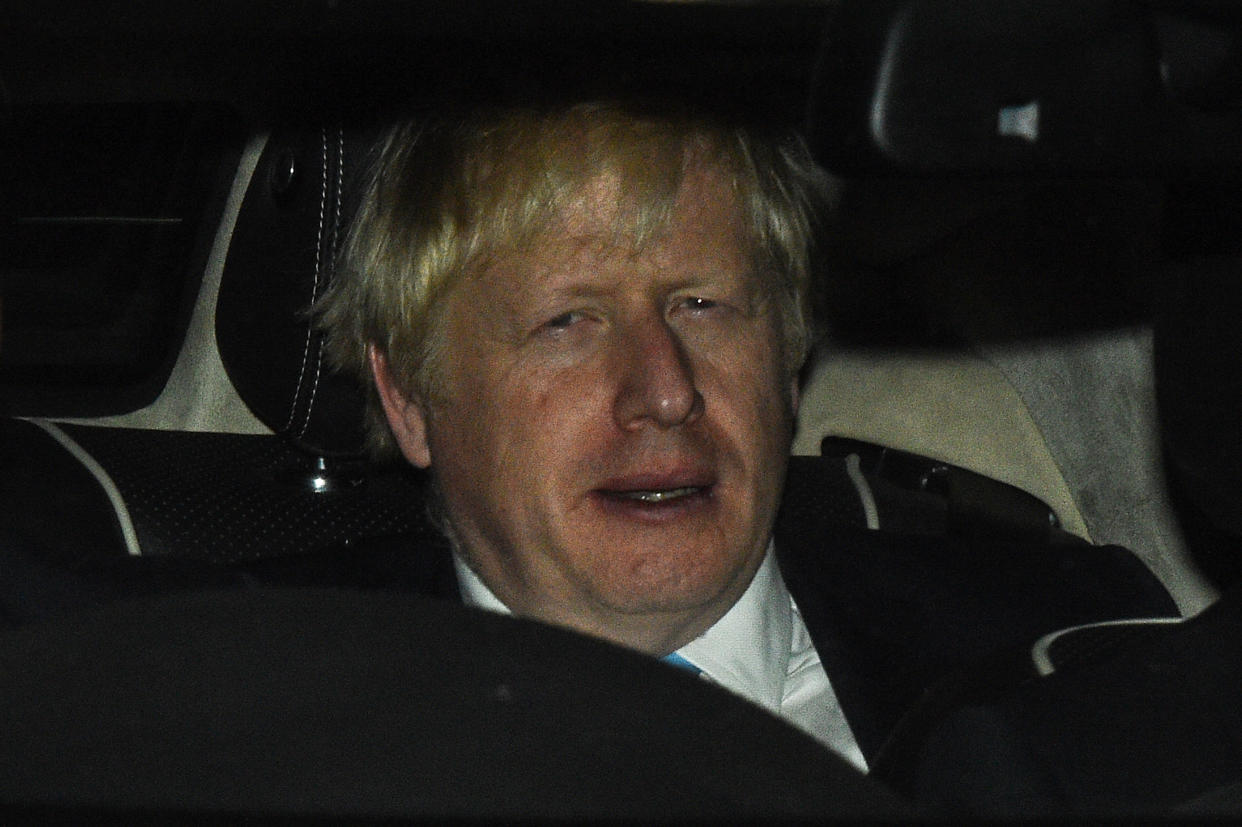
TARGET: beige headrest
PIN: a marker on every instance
(954, 407)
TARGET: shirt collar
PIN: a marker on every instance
(473, 592)
(746, 651)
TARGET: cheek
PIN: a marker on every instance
(469, 423)
(520, 426)
(750, 381)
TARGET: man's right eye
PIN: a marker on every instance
(563, 321)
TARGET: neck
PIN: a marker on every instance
(653, 632)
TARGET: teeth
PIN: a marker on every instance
(659, 496)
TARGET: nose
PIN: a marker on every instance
(656, 376)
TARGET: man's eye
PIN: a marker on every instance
(563, 321)
(698, 303)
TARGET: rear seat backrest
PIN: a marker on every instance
(281, 259)
(972, 411)
(953, 407)
(200, 474)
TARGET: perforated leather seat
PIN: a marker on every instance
(295, 481)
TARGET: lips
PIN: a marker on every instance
(657, 496)
(657, 491)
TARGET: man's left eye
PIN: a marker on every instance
(698, 303)
(563, 320)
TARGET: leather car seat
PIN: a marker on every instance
(275, 469)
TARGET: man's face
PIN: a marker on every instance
(612, 439)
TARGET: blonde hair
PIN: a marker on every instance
(445, 195)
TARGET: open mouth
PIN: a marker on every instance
(674, 488)
(657, 496)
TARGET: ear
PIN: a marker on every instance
(405, 415)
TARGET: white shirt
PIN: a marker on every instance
(760, 650)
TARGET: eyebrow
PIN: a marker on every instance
(579, 290)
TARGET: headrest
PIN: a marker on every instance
(281, 259)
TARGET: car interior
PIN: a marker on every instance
(1036, 204)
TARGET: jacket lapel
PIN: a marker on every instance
(894, 615)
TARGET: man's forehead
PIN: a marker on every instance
(608, 222)
(594, 205)
(608, 207)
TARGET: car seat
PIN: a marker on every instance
(253, 449)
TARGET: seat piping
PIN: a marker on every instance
(853, 467)
(102, 477)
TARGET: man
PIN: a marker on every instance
(602, 374)
(588, 323)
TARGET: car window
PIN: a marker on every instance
(109, 211)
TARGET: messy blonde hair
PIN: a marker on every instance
(445, 195)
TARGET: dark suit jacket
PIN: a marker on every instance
(1149, 726)
(891, 615)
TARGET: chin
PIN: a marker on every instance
(657, 581)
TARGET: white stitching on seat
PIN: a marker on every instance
(323, 201)
(336, 238)
(102, 477)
